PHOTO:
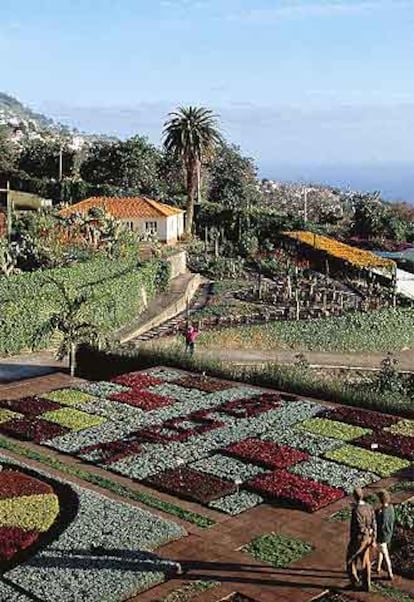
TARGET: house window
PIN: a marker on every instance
(130, 225)
(151, 227)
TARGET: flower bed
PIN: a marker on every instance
(267, 453)
(313, 444)
(30, 406)
(331, 473)
(69, 397)
(403, 427)
(227, 468)
(136, 380)
(190, 484)
(73, 419)
(278, 550)
(164, 374)
(359, 417)
(208, 385)
(6, 415)
(32, 429)
(378, 463)
(100, 549)
(333, 428)
(101, 389)
(146, 400)
(236, 502)
(294, 490)
(389, 443)
(243, 408)
(112, 451)
(353, 255)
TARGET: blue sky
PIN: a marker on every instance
(308, 87)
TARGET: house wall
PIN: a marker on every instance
(169, 229)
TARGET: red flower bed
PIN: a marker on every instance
(358, 417)
(294, 490)
(142, 399)
(190, 484)
(209, 385)
(36, 429)
(389, 443)
(266, 452)
(13, 539)
(30, 406)
(162, 434)
(112, 451)
(16, 484)
(243, 408)
(136, 380)
(201, 423)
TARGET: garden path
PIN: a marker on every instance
(316, 359)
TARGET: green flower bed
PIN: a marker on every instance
(375, 462)
(117, 289)
(382, 330)
(278, 550)
(405, 427)
(69, 397)
(137, 496)
(333, 429)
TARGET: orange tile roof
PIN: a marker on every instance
(124, 207)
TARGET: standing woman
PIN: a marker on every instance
(385, 528)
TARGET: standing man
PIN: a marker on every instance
(385, 516)
(190, 337)
(362, 538)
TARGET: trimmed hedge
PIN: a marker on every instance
(117, 290)
(100, 365)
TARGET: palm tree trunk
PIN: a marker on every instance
(191, 191)
(72, 359)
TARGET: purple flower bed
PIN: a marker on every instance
(243, 408)
(192, 485)
(30, 406)
(358, 417)
(106, 453)
(34, 429)
(389, 443)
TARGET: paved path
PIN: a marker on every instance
(328, 360)
(29, 365)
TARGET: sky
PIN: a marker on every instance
(314, 90)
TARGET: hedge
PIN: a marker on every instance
(116, 288)
(101, 365)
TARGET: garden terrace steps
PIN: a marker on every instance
(164, 307)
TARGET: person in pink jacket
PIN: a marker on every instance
(190, 336)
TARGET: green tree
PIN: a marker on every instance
(131, 165)
(233, 178)
(72, 323)
(369, 215)
(39, 158)
(191, 134)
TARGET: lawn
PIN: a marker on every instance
(382, 331)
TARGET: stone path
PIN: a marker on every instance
(28, 365)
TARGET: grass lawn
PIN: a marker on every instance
(383, 330)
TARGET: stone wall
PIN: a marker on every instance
(178, 263)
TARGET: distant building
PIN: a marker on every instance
(140, 214)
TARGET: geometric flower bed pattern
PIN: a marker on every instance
(278, 550)
(294, 490)
(51, 529)
(379, 463)
(160, 425)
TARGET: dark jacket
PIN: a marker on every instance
(363, 523)
(385, 523)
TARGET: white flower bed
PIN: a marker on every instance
(227, 468)
(71, 569)
(165, 374)
(314, 444)
(179, 394)
(115, 411)
(102, 388)
(237, 502)
(336, 475)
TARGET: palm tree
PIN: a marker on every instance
(191, 133)
(73, 325)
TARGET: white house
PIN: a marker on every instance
(141, 215)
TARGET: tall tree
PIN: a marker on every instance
(191, 133)
(40, 158)
(233, 180)
(131, 165)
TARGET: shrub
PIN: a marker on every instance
(278, 550)
(117, 291)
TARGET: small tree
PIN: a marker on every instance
(73, 325)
